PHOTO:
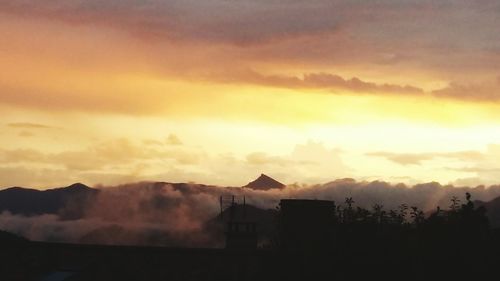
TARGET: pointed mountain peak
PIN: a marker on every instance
(78, 186)
(265, 182)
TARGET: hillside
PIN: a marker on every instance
(66, 201)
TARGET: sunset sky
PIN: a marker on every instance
(219, 91)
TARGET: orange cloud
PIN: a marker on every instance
(418, 158)
(28, 125)
(320, 81)
(485, 91)
(173, 140)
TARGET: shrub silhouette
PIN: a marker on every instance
(355, 225)
(401, 240)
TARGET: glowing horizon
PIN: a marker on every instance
(219, 92)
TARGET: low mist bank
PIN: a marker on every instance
(183, 215)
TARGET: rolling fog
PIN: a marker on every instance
(166, 214)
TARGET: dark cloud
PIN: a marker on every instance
(235, 22)
(448, 39)
(422, 23)
(318, 81)
(485, 91)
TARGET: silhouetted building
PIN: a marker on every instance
(306, 224)
(241, 235)
(241, 232)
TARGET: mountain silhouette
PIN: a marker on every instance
(492, 210)
(10, 238)
(68, 201)
(264, 182)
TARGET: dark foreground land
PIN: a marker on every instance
(49, 261)
(45, 261)
(311, 240)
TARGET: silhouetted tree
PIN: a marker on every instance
(378, 213)
(362, 215)
(348, 212)
(349, 201)
(455, 202)
(417, 215)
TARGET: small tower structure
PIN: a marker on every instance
(241, 233)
